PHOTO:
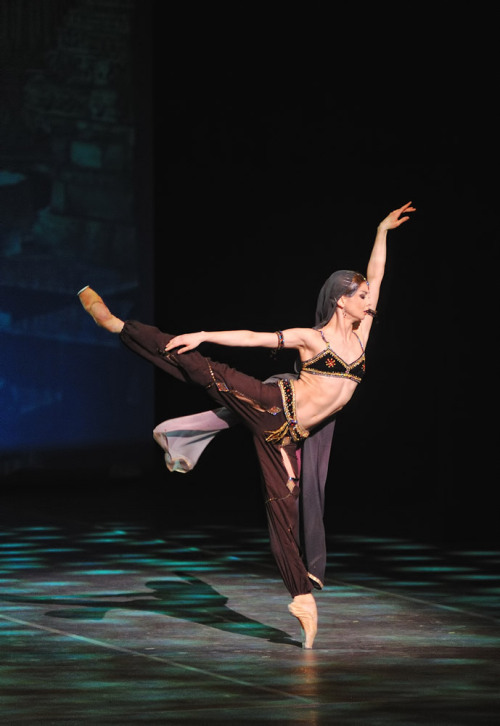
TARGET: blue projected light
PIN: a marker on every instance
(74, 222)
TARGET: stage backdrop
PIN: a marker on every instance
(75, 209)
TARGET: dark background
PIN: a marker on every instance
(268, 145)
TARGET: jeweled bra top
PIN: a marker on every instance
(328, 363)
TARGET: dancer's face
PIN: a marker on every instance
(358, 304)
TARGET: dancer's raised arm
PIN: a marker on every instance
(376, 263)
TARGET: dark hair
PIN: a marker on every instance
(342, 282)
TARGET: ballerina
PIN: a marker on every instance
(280, 414)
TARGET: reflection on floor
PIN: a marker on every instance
(115, 622)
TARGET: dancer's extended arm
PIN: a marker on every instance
(291, 338)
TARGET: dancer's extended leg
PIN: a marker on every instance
(94, 305)
(155, 340)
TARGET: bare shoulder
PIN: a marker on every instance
(305, 339)
(300, 337)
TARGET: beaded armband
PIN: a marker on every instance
(281, 343)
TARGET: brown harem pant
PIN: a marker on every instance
(260, 408)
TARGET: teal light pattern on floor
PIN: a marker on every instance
(113, 623)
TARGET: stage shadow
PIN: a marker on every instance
(188, 599)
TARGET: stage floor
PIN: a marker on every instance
(117, 621)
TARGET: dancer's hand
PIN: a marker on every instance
(394, 218)
(185, 342)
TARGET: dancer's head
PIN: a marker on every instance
(342, 282)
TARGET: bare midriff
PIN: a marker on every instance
(319, 397)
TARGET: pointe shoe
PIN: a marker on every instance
(102, 315)
(307, 615)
